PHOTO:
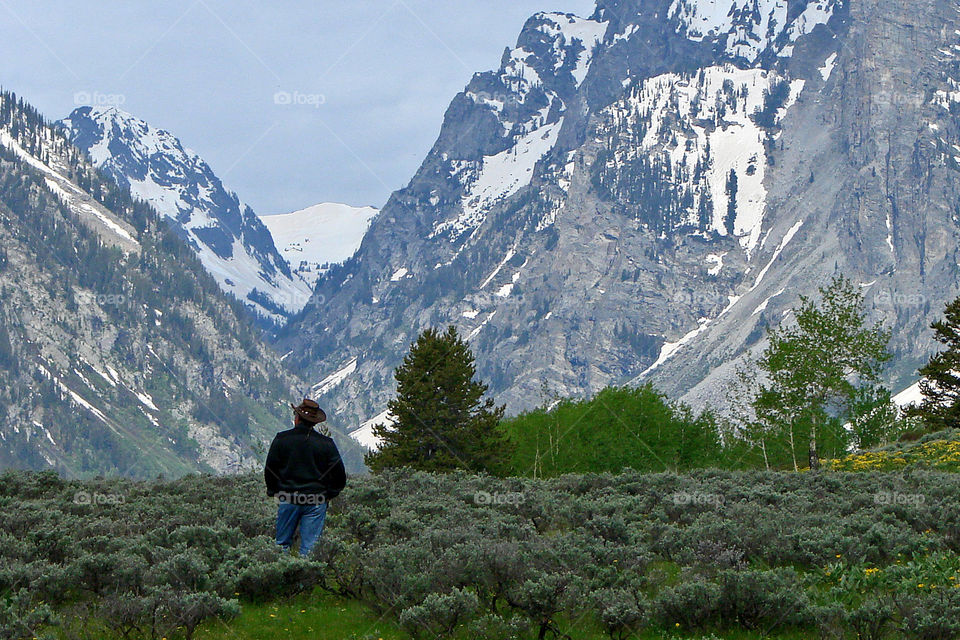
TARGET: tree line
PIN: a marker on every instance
(814, 391)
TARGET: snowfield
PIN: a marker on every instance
(311, 239)
(751, 26)
(724, 95)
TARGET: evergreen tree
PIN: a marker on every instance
(730, 219)
(940, 383)
(817, 366)
(442, 421)
(8, 357)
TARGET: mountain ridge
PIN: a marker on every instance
(233, 244)
(640, 209)
(118, 351)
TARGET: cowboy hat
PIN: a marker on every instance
(310, 411)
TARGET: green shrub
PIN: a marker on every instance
(692, 606)
(870, 620)
(621, 612)
(439, 614)
(186, 610)
(284, 576)
(22, 617)
(491, 626)
(619, 428)
(625, 554)
(934, 615)
(762, 599)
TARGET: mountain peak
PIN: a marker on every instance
(231, 241)
(638, 195)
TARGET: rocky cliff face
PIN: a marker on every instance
(230, 240)
(118, 352)
(637, 195)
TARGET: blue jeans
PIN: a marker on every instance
(310, 517)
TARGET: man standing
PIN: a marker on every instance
(303, 471)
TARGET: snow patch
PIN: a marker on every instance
(788, 236)
(146, 400)
(828, 65)
(473, 334)
(763, 305)
(312, 239)
(724, 96)
(364, 433)
(334, 378)
(506, 289)
(565, 29)
(242, 273)
(910, 395)
(715, 260)
(498, 177)
(748, 27)
(510, 253)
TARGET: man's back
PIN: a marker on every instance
(305, 462)
(304, 471)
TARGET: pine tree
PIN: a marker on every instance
(442, 421)
(8, 357)
(730, 219)
(940, 382)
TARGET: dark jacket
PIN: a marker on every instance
(304, 461)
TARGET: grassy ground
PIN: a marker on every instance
(316, 616)
(323, 617)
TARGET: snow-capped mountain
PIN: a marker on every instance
(635, 196)
(232, 243)
(118, 351)
(312, 239)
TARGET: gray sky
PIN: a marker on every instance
(367, 81)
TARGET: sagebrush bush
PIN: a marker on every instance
(710, 551)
